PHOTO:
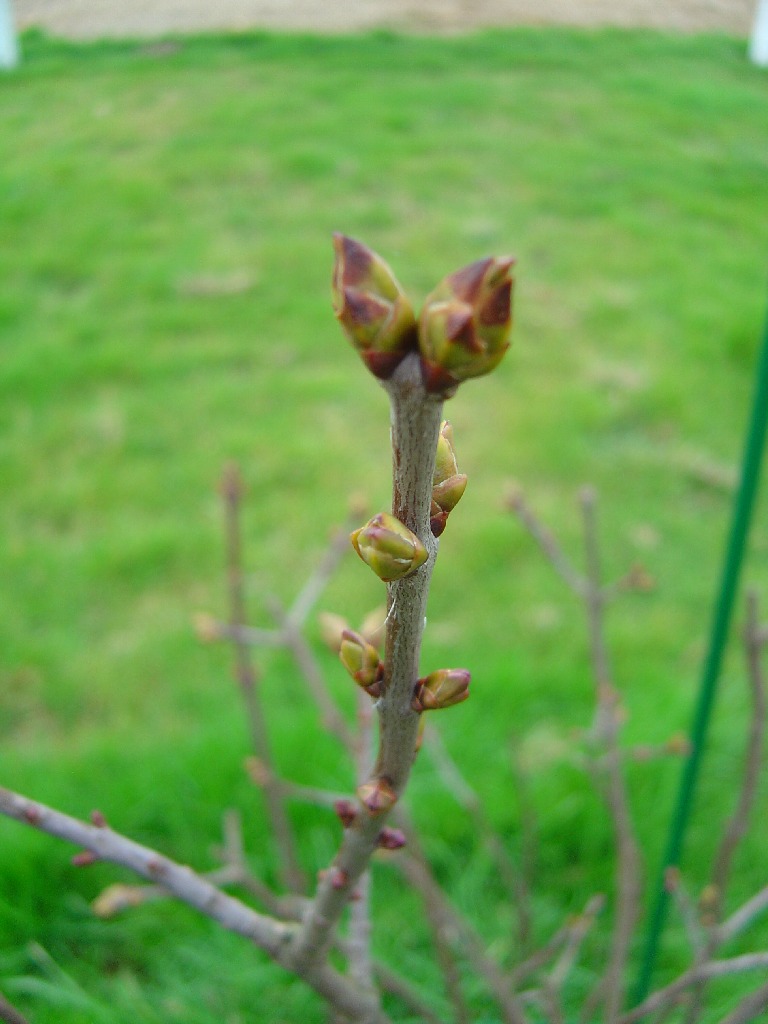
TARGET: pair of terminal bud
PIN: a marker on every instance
(462, 332)
(440, 689)
(392, 550)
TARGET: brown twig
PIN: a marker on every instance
(289, 868)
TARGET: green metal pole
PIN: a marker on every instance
(742, 514)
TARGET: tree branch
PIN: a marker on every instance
(288, 866)
(415, 427)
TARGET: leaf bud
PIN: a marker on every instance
(465, 324)
(441, 689)
(391, 839)
(377, 796)
(362, 661)
(389, 547)
(371, 307)
(445, 456)
(346, 812)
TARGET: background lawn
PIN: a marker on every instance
(165, 221)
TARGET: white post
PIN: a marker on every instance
(758, 43)
(9, 49)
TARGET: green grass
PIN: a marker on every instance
(164, 266)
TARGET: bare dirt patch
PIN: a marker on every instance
(87, 19)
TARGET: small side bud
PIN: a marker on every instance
(377, 796)
(447, 494)
(448, 485)
(346, 812)
(371, 307)
(445, 456)
(331, 630)
(98, 819)
(257, 771)
(389, 547)
(84, 859)
(391, 839)
(465, 324)
(339, 878)
(362, 661)
(206, 628)
(441, 689)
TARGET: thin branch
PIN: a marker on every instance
(397, 986)
(688, 911)
(415, 428)
(331, 718)
(607, 726)
(739, 820)
(185, 884)
(663, 997)
(416, 868)
(9, 1014)
(289, 868)
(359, 960)
(312, 795)
(318, 581)
(743, 917)
(472, 946)
(456, 784)
(547, 542)
(271, 936)
(210, 630)
(749, 1008)
(737, 825)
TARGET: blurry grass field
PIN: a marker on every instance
(165, 219)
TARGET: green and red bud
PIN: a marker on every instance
(448, 485)
(362, 661)
(441, 689)
(371, 307)
(465, 324)
(377, 796)
(389, 547)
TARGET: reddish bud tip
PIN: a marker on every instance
(346, 812)
(391, 839)
(377, 796)
(465, 324)
(371, 307)
(84, 859)
(98, 819)
(441, 689)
